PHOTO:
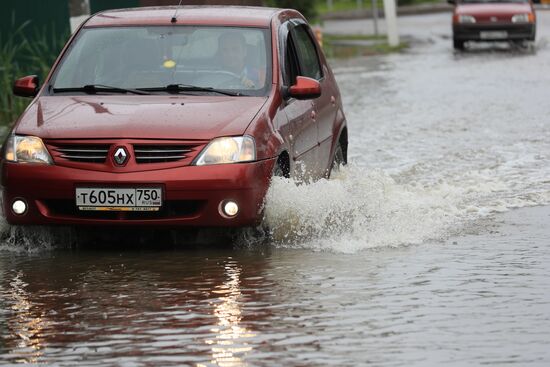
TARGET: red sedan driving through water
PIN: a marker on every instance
(173, 116)
(493, 20)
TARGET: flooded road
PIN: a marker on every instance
(431, 249)
(475, 300)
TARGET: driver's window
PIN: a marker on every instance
(291, 63)
(310, 65)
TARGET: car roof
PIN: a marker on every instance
(246, 16)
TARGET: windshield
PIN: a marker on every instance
(225, 58)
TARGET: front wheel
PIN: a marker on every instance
(282, 167)
(458, 44)
(338, 160)
(278, 171)
(524, 45)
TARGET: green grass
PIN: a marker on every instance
(22, 55)
(384, 48)
(342, 5)
(10, 50)
(335, 48)
(352, 37)
(351, 5)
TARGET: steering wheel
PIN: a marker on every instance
(227, 79)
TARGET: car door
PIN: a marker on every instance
(324, 107)
(300, 114)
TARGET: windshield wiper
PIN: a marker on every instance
(95, 88)
(176, 88)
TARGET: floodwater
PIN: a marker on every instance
(431, 248)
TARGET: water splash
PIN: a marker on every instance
(356, 209)
(26, 239)
(359, 209)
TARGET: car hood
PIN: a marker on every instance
(493, 9)
(139, 117)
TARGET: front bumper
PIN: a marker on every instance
(192, 194)
(472, 32)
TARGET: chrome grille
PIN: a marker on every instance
(83, 153)
(161, 153)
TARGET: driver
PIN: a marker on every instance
(232, 49)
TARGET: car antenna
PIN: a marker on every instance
(175, 17)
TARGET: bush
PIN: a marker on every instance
(22, 55)
(306, 7)
(10, 50)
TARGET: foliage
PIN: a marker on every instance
(306, 7)
(10, 49)
(322, 7)
(405, 2)
(22, 55)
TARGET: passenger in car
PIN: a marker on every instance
(232, 49)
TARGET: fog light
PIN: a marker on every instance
(19, 207)
(230, 208)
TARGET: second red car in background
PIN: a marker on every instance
(491, 21)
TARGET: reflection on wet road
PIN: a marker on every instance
(402, 260)
(479, 299)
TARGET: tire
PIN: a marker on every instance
(524, 44)
(259, 233)
(278, 170)
(458, 44)
(281, 168)
(338, 160)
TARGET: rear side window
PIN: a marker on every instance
(307, 54)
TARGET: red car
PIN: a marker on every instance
(174, 116)
(493, 20)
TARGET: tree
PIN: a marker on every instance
(306, 7)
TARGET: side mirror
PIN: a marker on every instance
(26, 86)
(305, 88)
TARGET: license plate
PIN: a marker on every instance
(493, 35)
(120, 199)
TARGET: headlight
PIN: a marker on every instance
(523, 18)
(466, 19)
(27, 149)
(228, 150)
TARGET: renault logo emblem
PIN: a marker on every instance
(494, 19)
(120, 156)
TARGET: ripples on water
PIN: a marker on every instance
(474, 301)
